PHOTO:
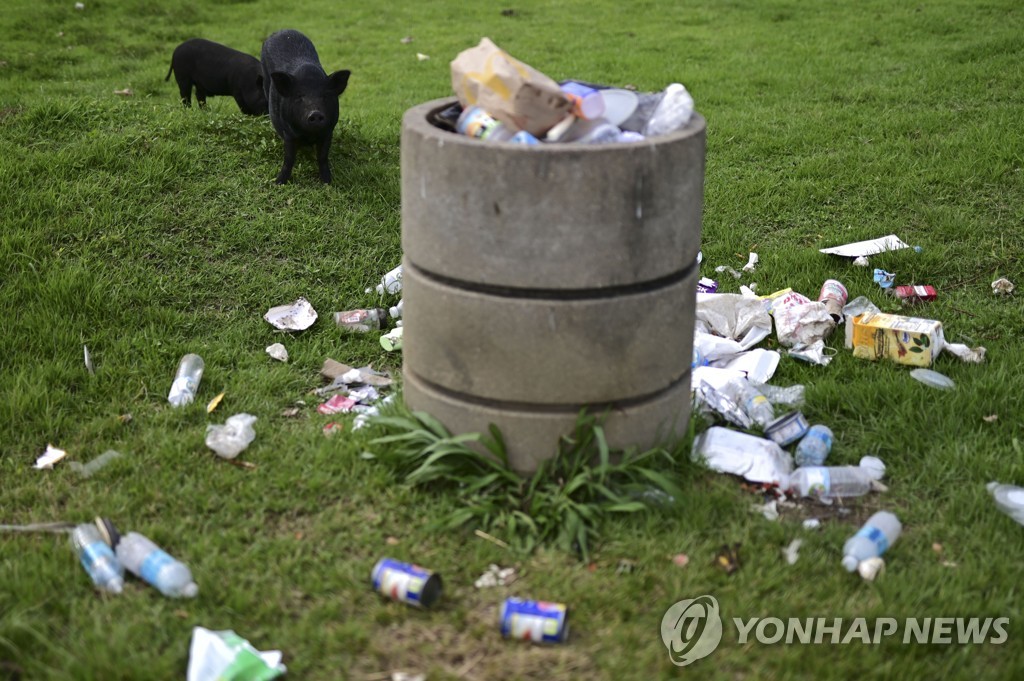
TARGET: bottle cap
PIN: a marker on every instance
(850, 563)
(191, 590)
(108, 531)
(873, 466)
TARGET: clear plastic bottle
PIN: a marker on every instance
(475, 122)
(756, 405)
(186, 380)
(391, 282)
(144, 559)
(97, 558)
(831, 482)
(813, 448)
(361, 320)
(1009, 498)
(873, 539)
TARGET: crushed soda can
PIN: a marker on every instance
(361, 320)
(534, 621)
(406, 583)
(915, 294)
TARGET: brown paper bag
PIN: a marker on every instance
(509, 90)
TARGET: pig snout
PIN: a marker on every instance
(316, 119)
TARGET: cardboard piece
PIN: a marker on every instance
(514, 93)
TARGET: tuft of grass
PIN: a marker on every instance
(564, 503)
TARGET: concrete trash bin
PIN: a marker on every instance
(539, 280)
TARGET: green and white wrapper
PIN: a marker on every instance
(226, 656)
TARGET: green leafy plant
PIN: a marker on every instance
(563, 503)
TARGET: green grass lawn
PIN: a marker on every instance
(146, 231)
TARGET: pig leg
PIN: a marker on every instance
(290, 147)
(201, 96)
(185, 90)
(323, 149)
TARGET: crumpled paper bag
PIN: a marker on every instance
(514, 93)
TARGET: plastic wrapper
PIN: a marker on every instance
(753, 458)
(91, 468)
(803, 324)
(295, 316)
(230, 439)
(722, 401)
(813, 353)
(226, 656)
(791, 396)
(730, 315)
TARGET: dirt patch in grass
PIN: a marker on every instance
(467, 644)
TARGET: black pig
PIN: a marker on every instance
(216, 69)
(303, 99)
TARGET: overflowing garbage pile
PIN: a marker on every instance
(502, 99)
(761, 435)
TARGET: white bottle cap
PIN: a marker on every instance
(873, 466)
(850, 563)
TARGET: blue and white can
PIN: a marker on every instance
(406, 582)
(787, 429)
(535, 621)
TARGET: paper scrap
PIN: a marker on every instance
(865, 248)
(295, 316)
(51, 456)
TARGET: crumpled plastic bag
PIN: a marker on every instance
(226, 656)
(731, 315)
(230, 439)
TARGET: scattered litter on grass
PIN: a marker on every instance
(49, 457)
(89, 469)
(749, 456)
(991, 418)
(214, 403)
(752, 261)
(296, 316)
(792, 552)
(787, 429)
(680, 560)
(705, 285)
(291, 412)
(933, 379)
(406, 583)
(534, 621)
(871, 568)
(866, 248)
(392, 340)
(230, 439)
(278, 351)
(333, 428)
(861, 261)
(362, 320)
(812, 353)
(333, 371)
(126, 92)
(226, 656)
(186, 382)
(422, 57)
(732, 316)
(812, 524)
(915, 294)
(337, 404)
(884, 279)
(88, 361)
(728, 558)
(725, 269)
(1009, 499)
(769, 509)
(495, 575)
(1002, 287)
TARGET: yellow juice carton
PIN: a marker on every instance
(907, 340)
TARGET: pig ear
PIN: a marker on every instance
(338, 81)
(282, 82)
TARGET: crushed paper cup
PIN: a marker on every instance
(51, 456)
(296, 316)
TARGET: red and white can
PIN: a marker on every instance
(915, 294)
(834, 296)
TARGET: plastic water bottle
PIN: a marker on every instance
(144, 559)
(1009, 498)
(395, 311)
(756, 405)
(475, 122)
(186, 381)
(391, 282)
(878, 534)
(97, 558)
(831, 482)
(813, 448)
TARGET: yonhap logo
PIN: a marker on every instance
(691, 629)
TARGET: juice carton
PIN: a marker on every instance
(907, 340)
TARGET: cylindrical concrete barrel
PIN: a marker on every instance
(539, 280)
